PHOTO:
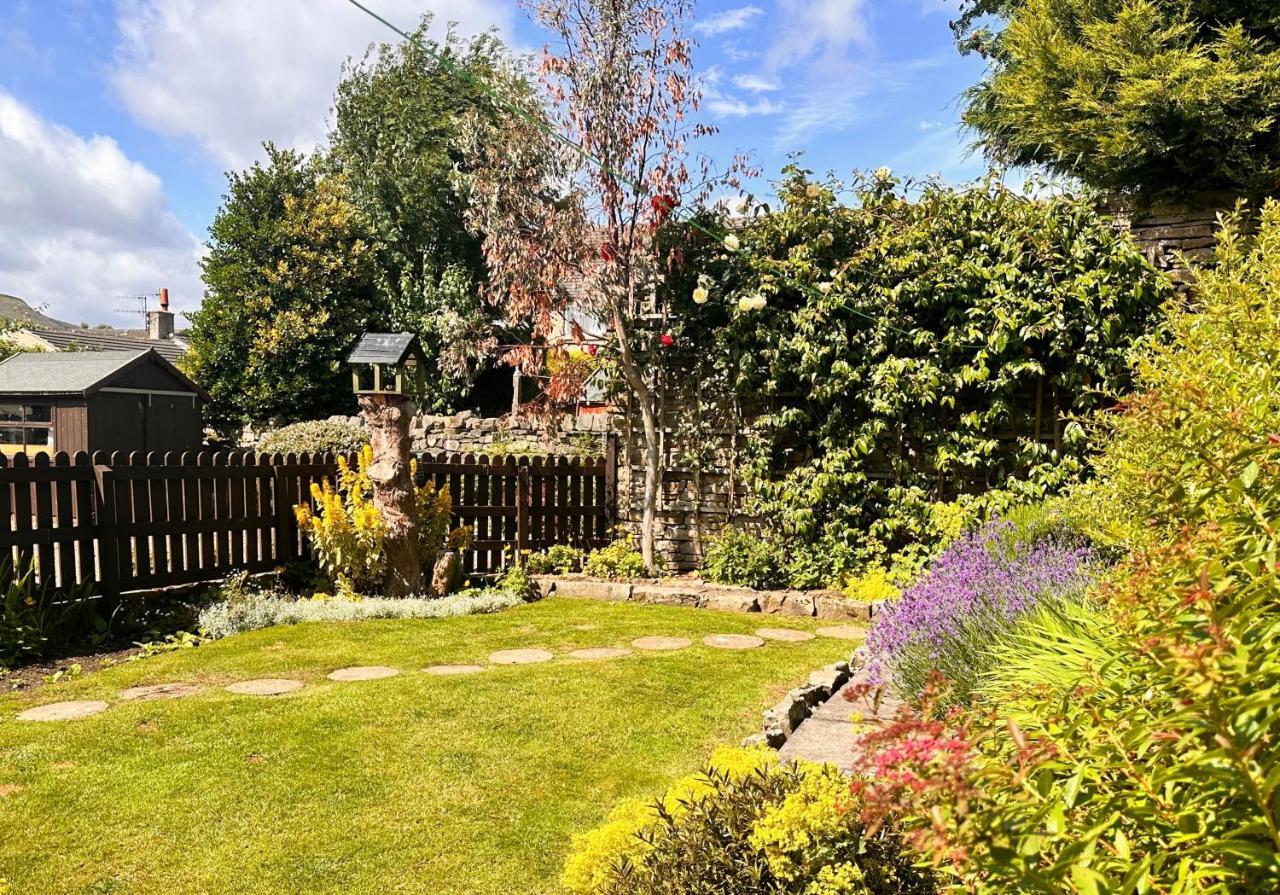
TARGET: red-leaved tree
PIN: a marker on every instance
(576, 187)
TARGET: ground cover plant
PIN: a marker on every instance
(464, 785)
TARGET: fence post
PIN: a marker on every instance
(524, 494)
(286, 539)
(611, 481)
(104, 509)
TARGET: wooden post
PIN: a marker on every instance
(611, 481)
(286, 524)
(524, 492)
(104, 508)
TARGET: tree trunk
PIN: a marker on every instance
(387, 418)
(652, 448)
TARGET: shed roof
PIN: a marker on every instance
(109, 340)
(384, 348)
(75, 372)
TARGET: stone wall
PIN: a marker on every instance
(469, 433)
(1167, 233)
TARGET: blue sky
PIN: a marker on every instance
(118, 118)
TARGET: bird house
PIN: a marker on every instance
(388, 364)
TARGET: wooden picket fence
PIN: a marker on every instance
(134, 523)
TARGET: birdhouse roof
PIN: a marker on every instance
(385, 348)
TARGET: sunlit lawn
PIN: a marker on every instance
(409, 784)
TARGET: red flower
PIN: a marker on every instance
(662, 205)
(591, 350)
(608, 253)
(667, 340)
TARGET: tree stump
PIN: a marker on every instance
(445, 574)
(387, 418)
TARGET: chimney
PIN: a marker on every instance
(160, 323)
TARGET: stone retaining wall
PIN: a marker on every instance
(821, 604)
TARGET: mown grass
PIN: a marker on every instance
(411, 784)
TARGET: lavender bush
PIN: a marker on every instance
(972, 594)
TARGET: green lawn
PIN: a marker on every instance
(409, 784)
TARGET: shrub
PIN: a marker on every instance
(338, 435)
(249, 610)
(346, 530)
(619, 561)
(1072, 82)
(975, 590)
(747, 825)
(740, 558)
(560, 559)
(37, 621)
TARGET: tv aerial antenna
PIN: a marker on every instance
(135, 305)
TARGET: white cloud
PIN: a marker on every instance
(81, 223)
(756, 83)
(821, 29)
(731, 107)
(233, 73)
(729, 20)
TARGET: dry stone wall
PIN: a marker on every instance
(1169, 233)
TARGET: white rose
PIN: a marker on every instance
(824, 288)
(700, 296)
(731, 243)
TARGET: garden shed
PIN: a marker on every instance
(97, 401)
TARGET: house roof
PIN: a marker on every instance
(108, 340)
(384, 348)
(75, 372)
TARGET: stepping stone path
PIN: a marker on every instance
(265, 687)
(520, 656)
(786, 635)
(363, 673)
(63, 711)
(661, 643)
(601, 652)
(158, 691)
(445, 670)
(842, 632)
(733, 641)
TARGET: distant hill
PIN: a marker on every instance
(14, 308)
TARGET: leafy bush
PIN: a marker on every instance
(1152, 96)
(246, 609)
(619, 561)
(740, 558)
(912, 347)
(37, 622)
(747, 825)
(875, 585)
(338, 435)
(975, 590)
(561, 559)
(346, 530)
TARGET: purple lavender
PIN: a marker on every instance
(974, 591)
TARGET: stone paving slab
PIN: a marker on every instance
(64, 711)
(733, 641)
(363, 673)
(823, 741)
(520, 656)
(786, 635)
(265, 687)
(158, 691)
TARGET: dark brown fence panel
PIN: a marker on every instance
(129, 522)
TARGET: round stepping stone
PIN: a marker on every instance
(453, 669)
(788, 635)
(661, 643)
(266, 686)
(63, 711)
(158, 691)
(733, 641)
(520, 656)
(842, 632)
(363, 673)
(601, 652)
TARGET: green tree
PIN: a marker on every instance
(396, 117)
(1152, 97)
(289, 278)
